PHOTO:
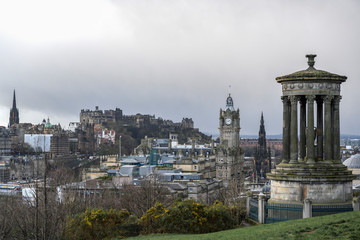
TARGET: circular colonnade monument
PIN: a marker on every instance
(311, 166)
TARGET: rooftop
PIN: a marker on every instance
(353, 161)
(311, 73)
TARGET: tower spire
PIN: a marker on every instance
(261, 155)
(14, 112)
(14, 100)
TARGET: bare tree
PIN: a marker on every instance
(138, 199)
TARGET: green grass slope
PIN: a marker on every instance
(337, 226)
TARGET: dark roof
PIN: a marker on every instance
(312, 74)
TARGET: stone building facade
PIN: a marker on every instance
(86, 140)
(59, 144)
(201, 165)
(187, 123)
(275, 144)
(5, 141)
(99, 116)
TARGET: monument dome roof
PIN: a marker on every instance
(311, 74)
(353, 161)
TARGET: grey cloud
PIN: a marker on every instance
(176, 59)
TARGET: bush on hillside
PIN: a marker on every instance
(220, 217)
(152, 220)
(187, 217)
(102, 224)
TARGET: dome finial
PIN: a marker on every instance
(311, 60)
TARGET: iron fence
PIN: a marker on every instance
(322, 210)
(278, 212)
(254, 209)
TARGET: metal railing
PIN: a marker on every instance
(277, 212)
(322, 210)
(254, 209)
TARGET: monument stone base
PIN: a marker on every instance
(322, 183)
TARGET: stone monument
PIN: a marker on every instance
(311, 166)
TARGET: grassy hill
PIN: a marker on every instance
(337, 226)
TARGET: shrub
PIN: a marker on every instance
(102, 224)
(152, 220)
(238, 212)
(219, 217)
(185, 217)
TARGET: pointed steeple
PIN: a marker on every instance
(262, 152)
(14, 112)
(262, 132)
(262, 137)
(14, 100)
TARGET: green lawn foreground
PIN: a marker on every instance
(336, 226)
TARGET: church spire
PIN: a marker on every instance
(14, 112)
(14, 101)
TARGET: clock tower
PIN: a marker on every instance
(229, 125)
(229, 158)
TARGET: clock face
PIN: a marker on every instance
(228, 121)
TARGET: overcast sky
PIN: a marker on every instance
(173, 59)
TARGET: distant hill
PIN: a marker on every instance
(132, 134)
(349, 136)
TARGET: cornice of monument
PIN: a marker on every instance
(311, 74)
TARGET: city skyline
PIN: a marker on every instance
(173, 59)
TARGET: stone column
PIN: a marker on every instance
(319, 129)
(286, 130)
(307, 208)
(302, 149)
(356, 204)
(310, 131)
(248, 198)
(336, 129)
(293, 131)
(328, 129)
(261, 208)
